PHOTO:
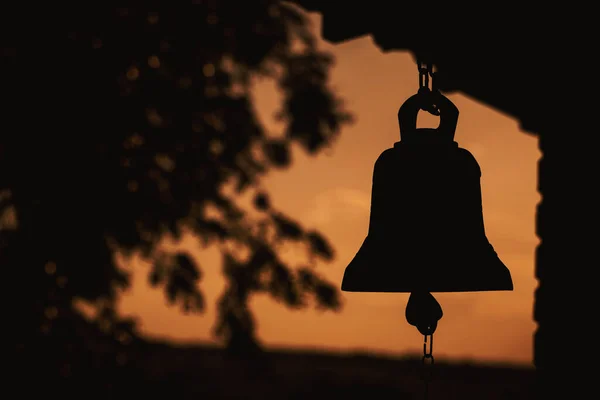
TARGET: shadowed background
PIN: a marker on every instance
(331, 193)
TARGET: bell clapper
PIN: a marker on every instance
(423, 311)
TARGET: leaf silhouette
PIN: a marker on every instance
(320, 246)
(286, 228)
(145, 131)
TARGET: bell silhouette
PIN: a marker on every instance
(426, 230)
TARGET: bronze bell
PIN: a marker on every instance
(426, 231)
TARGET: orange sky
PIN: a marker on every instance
(332, 193)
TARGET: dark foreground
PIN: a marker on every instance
(152, 370)
(203, 372)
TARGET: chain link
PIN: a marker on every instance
(427, 361)
(423, 311)
(424, 72)
(426, 75)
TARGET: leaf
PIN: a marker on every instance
(171, 291)
(307, 279)
(277, 152)
(319, 246)
(327, 296)
(188, 265)
(282, 285)
(213, 228)
(157, 273)
(261, 257)
(286, 228)
(193, 302)
(261, 201)
(154, 278)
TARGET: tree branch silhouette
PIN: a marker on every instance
(134, 124)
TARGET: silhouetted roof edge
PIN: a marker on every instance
(494, 59)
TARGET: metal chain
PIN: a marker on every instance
(423, 74)
(425, 71)
(423, 311)
(428, 362)
(426, 75)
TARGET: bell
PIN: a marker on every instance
(426, 230)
